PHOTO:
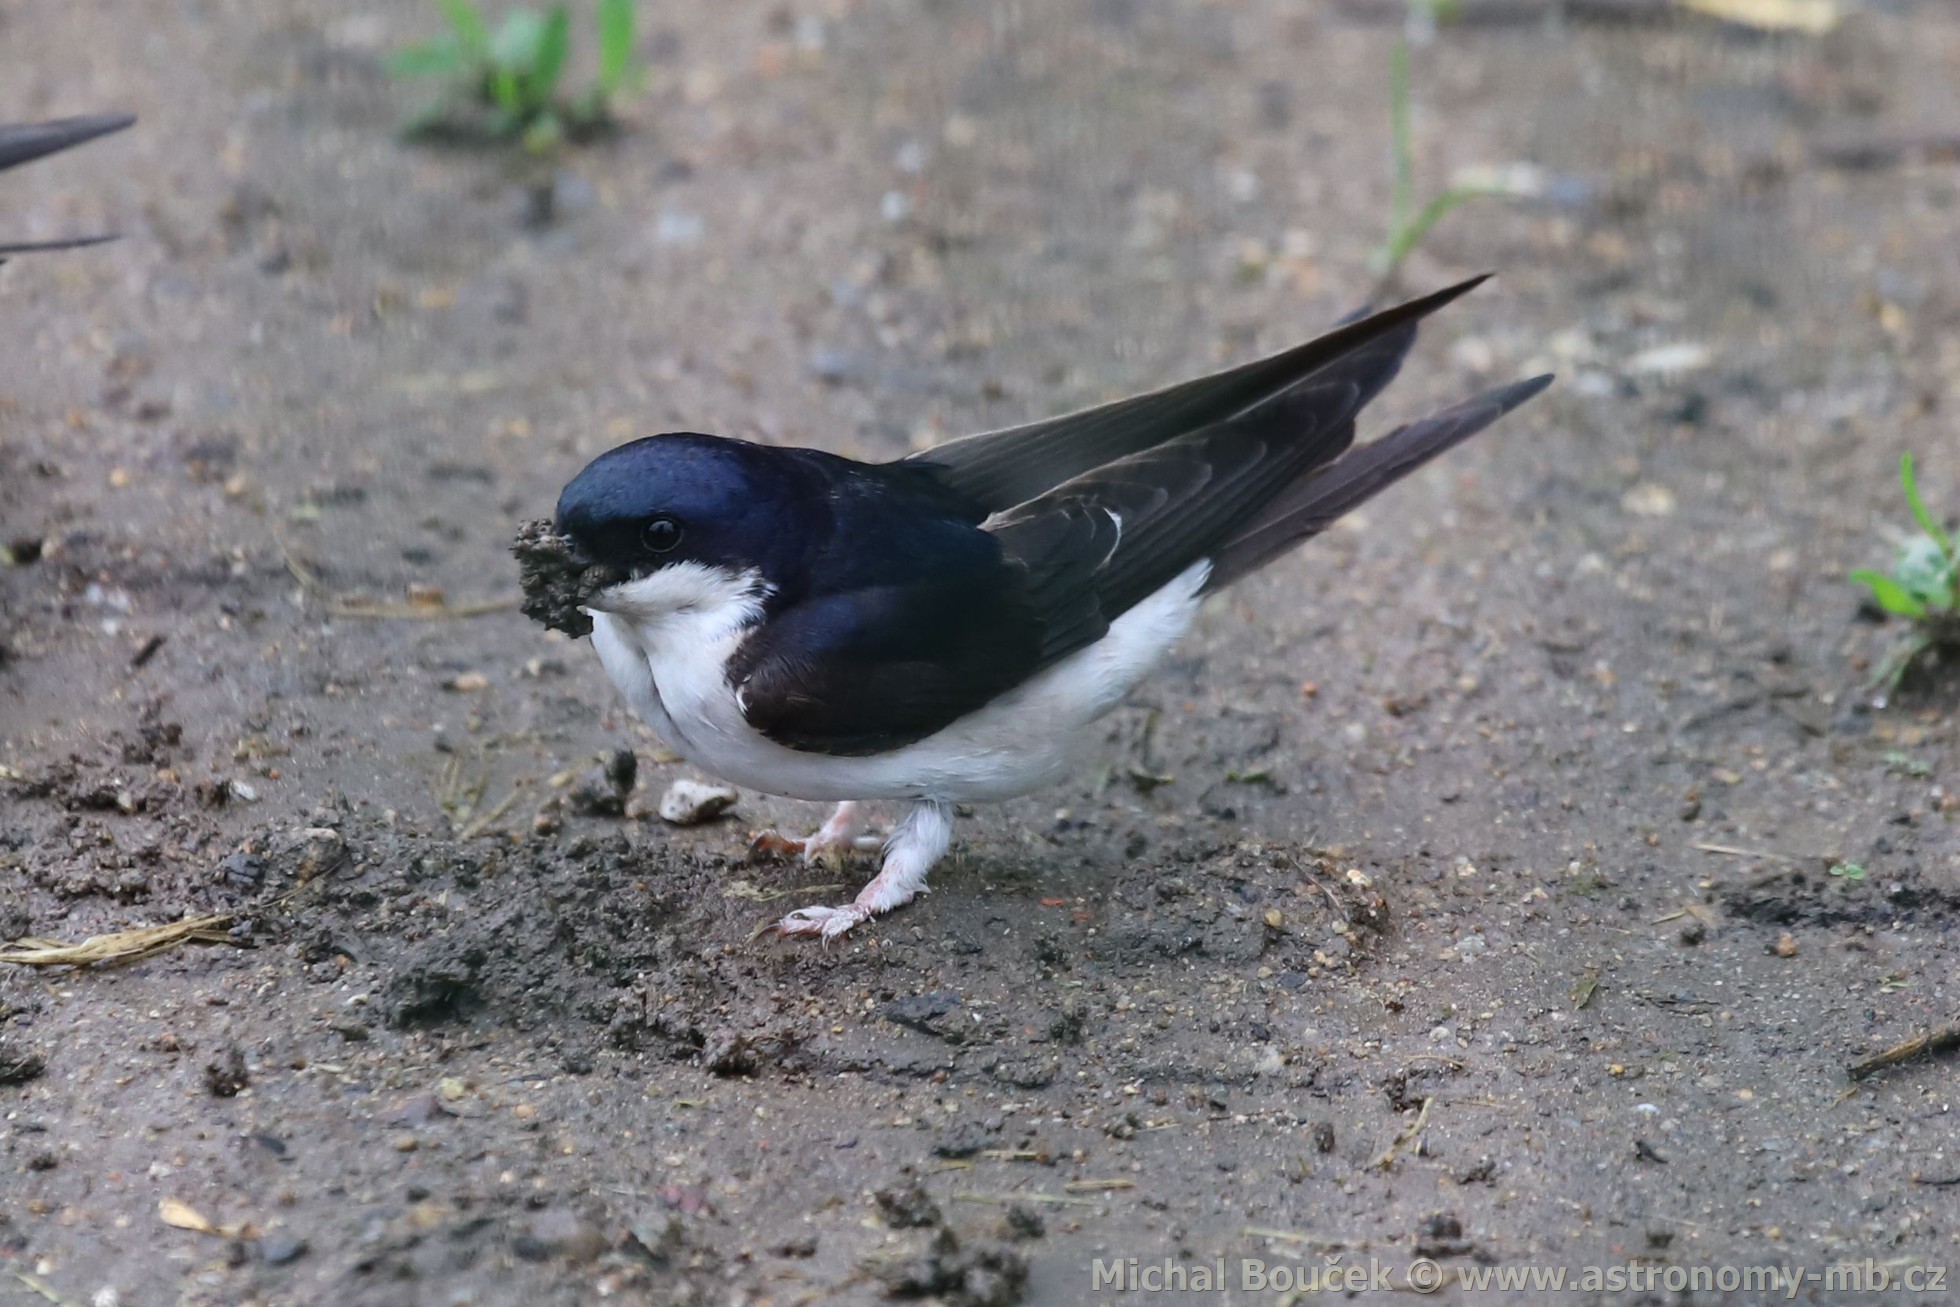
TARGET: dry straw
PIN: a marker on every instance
(118, 946)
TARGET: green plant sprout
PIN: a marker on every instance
(1409, 226)
(1923, 587)
(1848, 871)
(505, 84)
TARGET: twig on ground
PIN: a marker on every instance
(1032, 1197)
(1730, 851)
(1408, 1135)
(351, 606)
(1931, 1044)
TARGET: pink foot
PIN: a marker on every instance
(828, 923)
(918, 842)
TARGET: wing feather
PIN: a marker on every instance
(1175, 503)
(24, 142)
(999, 469)
(868, 670)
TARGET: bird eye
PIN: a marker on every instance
(661, 535)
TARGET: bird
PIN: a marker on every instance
(25, 142)
(940, 629)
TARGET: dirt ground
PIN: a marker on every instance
(1457, 891)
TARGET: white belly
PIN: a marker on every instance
(1019, 742)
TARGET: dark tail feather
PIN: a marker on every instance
(1308, 507)
(26, 142)
(1000, 469)
(65, 243)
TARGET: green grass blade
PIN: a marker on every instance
(507, 93)
(615, 46)
(554, 43)
(466, 21)
(1891, 596)
(437, 58)
(1896, 664)
(1403, 240)
(1927, 522)
(1438, 209)
(1401, 141)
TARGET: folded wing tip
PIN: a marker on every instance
(22, 143)
(1519, 391)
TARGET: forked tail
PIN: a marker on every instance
(1310, 505)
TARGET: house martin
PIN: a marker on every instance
(944, 628)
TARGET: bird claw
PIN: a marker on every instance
(828, 923)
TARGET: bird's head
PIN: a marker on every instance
(687, 524)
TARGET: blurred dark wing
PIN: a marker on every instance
(1000, 469)
(26, 142)
(66, 243)
(869, 670)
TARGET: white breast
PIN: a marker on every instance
(669, 661)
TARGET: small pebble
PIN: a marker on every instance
(227, 1077)
(280, 1249)
(908, 1209)
(558, 1231)
(689, 803)
(322, 849)
(728, 1053)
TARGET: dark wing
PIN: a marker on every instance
(1000, 469)
(1311, 503)
(26, 142)
(1096, 545)
(65, 243)
(871, 669)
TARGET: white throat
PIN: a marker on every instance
(684, 609)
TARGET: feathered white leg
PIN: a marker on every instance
(916, 843)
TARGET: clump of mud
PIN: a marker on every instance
(556, 580)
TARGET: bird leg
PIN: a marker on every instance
(832, 843)
(916, 843)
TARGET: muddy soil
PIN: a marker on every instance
(1459, 890)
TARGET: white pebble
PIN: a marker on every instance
(689, 803)
(1671, 359)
